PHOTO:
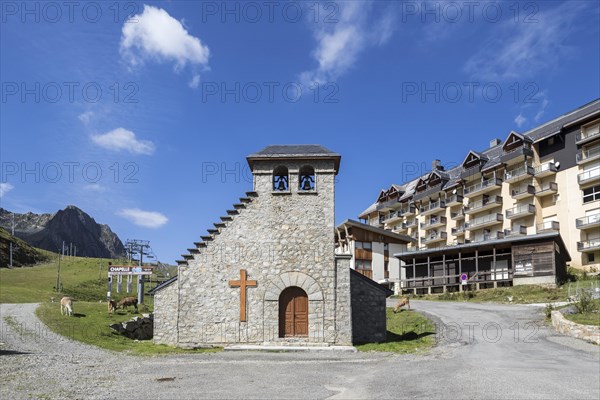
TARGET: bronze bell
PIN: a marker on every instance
(306, 183)
(281, 186)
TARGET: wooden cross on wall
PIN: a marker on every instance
(242, 283)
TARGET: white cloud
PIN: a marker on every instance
(194, 82)
(95, 187)
(123, 139)
(86, 117)
(5, 188)
(155, 35)
(147, 219)
(522, 50)
(520, 120)
(340, 44)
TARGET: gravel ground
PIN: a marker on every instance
(532, 363)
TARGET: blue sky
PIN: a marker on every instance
(142, 114)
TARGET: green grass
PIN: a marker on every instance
(90, 324)
(525, 294)
(23, 253)
(37, 284)
(408, 332)
(589, 317)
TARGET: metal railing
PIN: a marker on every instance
(483, 185)
(548, 226)
(587, 175)
(588, 220)
(521, 209)
(590, 153)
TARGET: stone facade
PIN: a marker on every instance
(282, 239)
(368, 309)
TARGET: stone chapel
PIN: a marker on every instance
(267, 272)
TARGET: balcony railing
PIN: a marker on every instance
(545, 169)
(587, 176)
(520, 211)
(395, 215)
(587, 155)
(454, 200)
(411, 223)
(516, 231)
(585, 136)
(386, 205)
(483, 186)
(459, 230)
(588, 222)
(546, 189)
(548, 226)
(523, 192)
(432, 207)
(488, 236)
(457, 215)
(433, 222)
(486, 220)
(522, 150)
(409, 210)
(518, 173)
(483, 204)
(434, 237)
(588, 245)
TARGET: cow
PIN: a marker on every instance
(66, 306)
(128, 301)
(404, 301)
(112, 306)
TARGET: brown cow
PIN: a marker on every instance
(112, 306)
(128, 301)
(404, 301)
(66, 306)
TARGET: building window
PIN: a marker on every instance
(306, 178)
(591, 194)
(363, 264)
(363, 245)
(281, 179)
(591, 258)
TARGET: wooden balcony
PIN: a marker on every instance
(366, 272)
(523, 192)
(483, 187)
(483, 204)
(520, 211)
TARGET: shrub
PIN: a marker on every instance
(548, 310)
(585, 302)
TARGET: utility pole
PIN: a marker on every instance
(138, 248)
(11, 243)
(58, 275)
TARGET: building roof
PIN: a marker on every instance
(487, 244)
(301, 151)
(380, 231)
(161, 286)
(371, 282)
(493, 155)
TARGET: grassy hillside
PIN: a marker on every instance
(81, 278)
(23, 253)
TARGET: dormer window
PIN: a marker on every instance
(306, 179)
(281, 179)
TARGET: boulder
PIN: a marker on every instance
(136, 328)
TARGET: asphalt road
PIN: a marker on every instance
(484, 351)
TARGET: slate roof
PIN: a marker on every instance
(492, 156)
(371, 282)
(161, 286)
(294, 151)
(381, 231)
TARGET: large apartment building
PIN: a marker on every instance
(520, 209)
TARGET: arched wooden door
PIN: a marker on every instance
(293, 313)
